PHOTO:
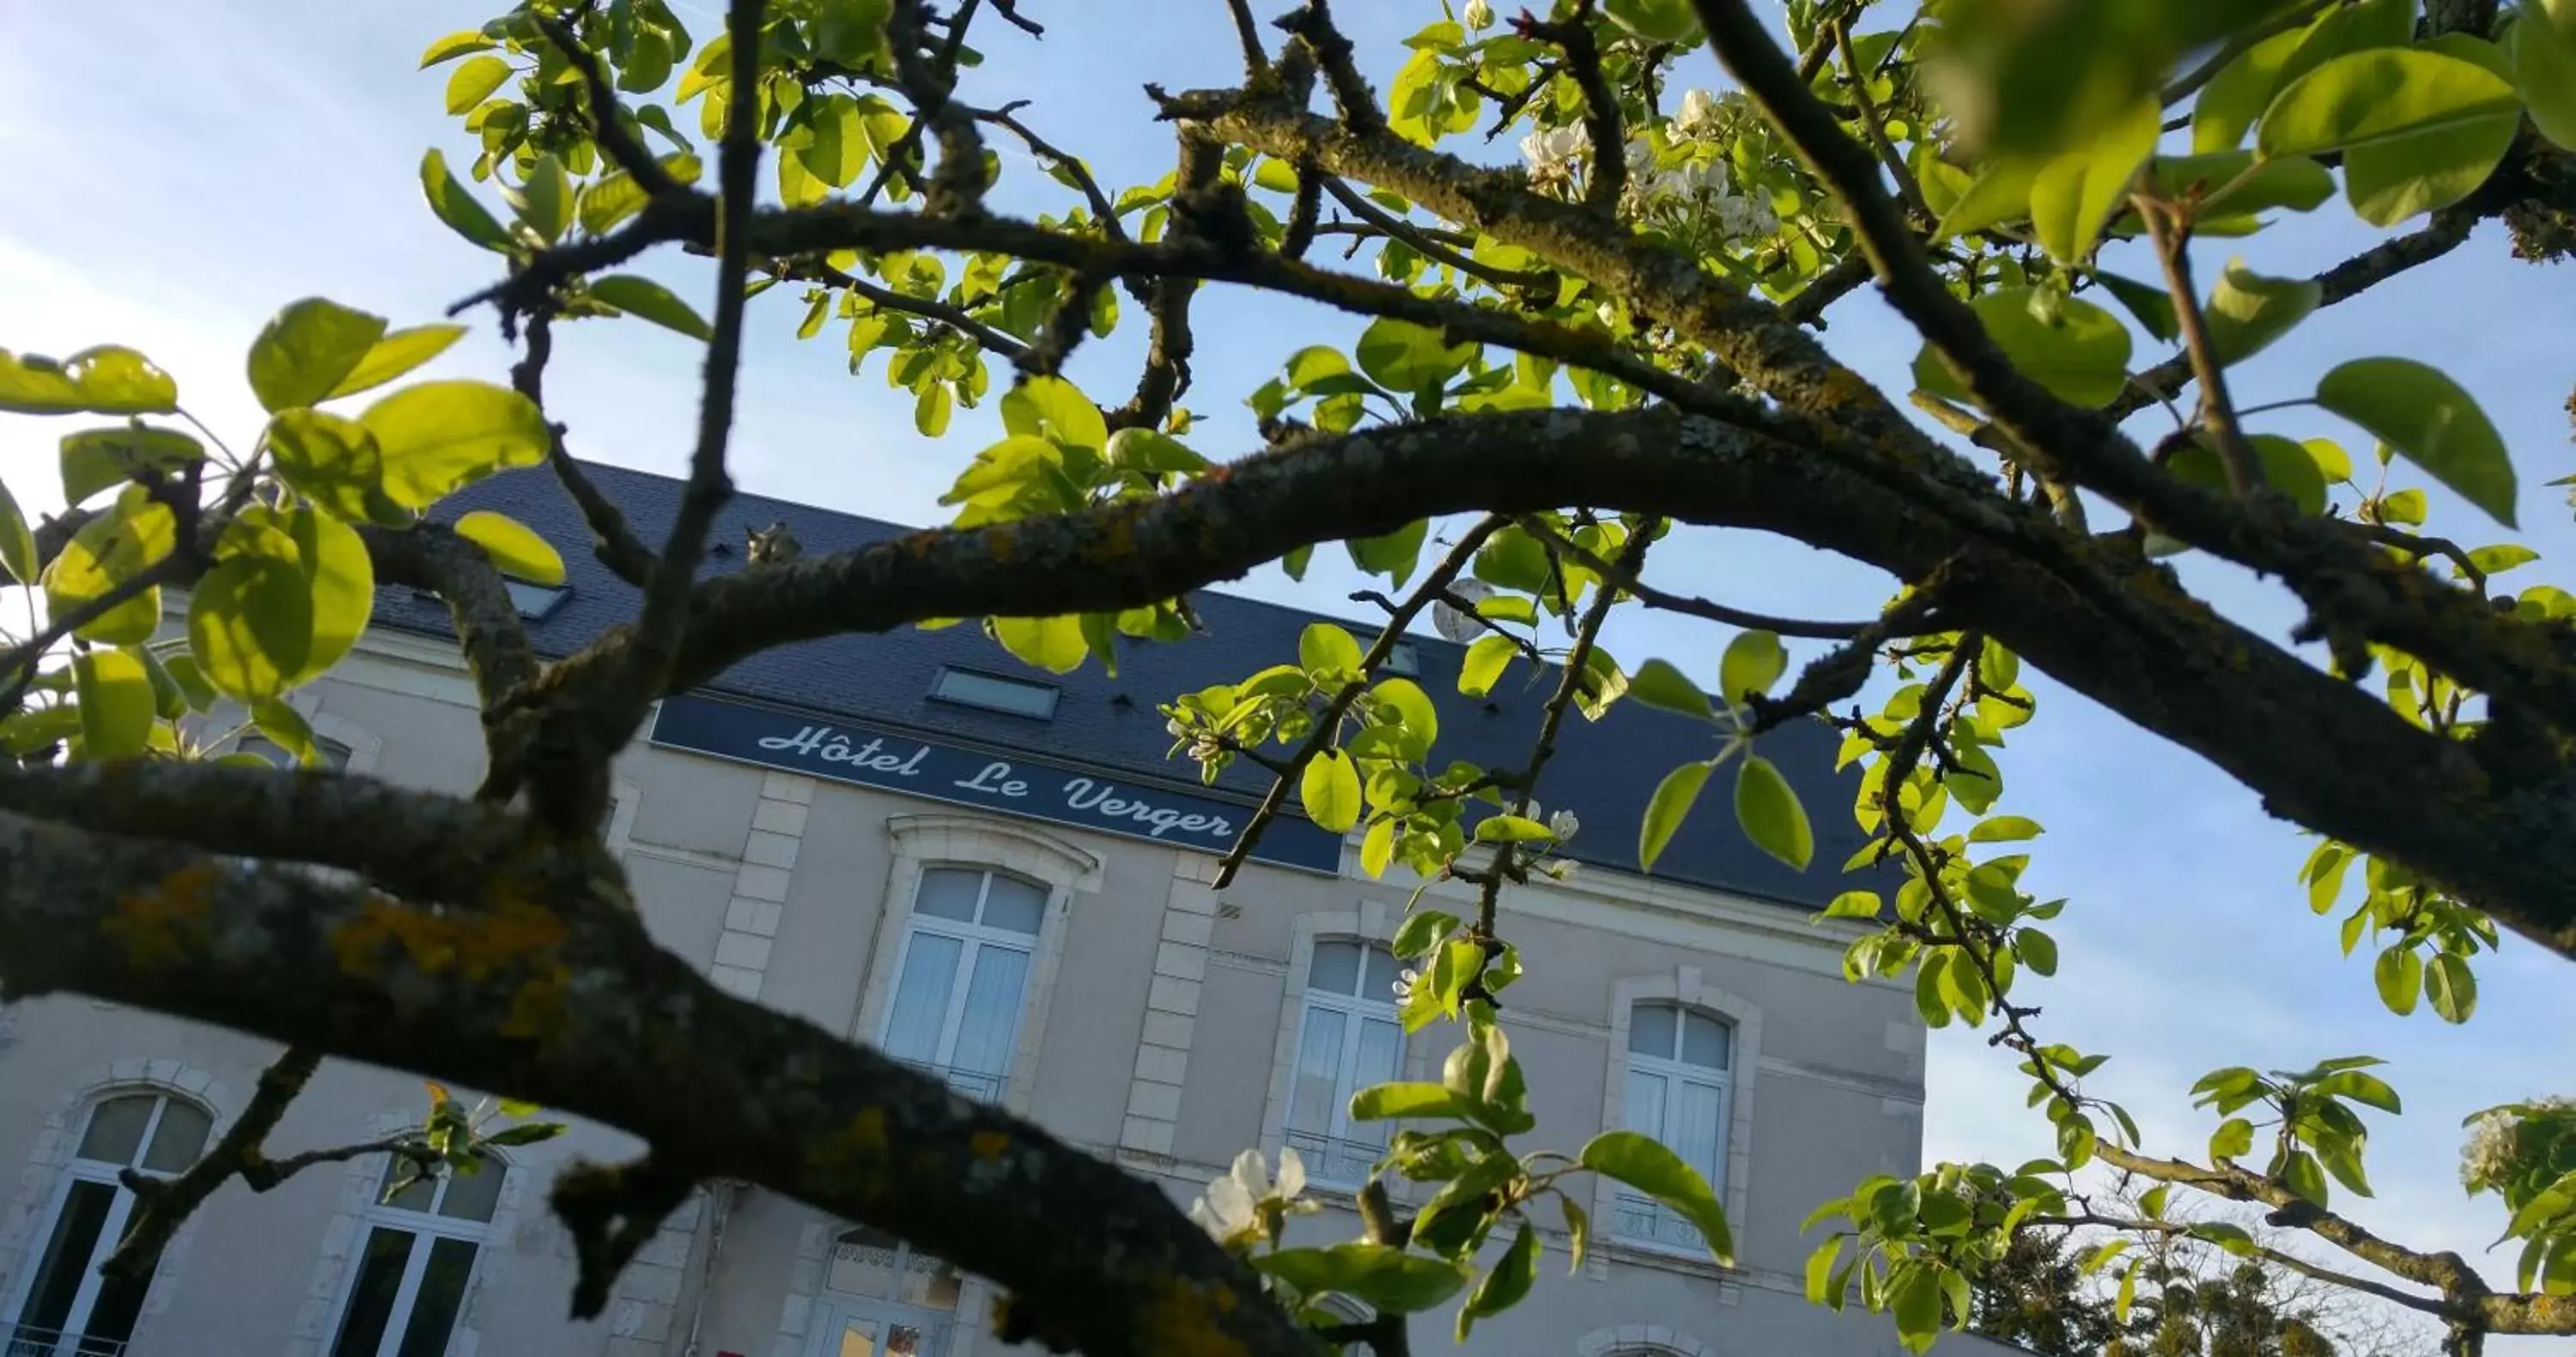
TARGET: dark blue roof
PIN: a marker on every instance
(1602, 770)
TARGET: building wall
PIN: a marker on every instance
(1162, 1013)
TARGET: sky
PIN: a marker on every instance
(171, 174)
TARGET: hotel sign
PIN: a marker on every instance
(1031, 788)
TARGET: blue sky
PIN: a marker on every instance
(176, 172)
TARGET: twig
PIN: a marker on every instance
(1101, 206)
(1328, 721)
(1907, 186)
(1665, 601)
(928, 308)
(2172, 232)
(615, 141)
(2420, 546)
(615, 544)
(1312, 24)
(1607, 178)
(1255, 61)
(1358, 205)
(1828, 287)
(164, 1204)
(2385, 1292)
(2237, 46)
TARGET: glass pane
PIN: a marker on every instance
(441, 1295)
(858, 1339)
(994, 692)
(1381, 1050)
(1336, 968)
(67, 1255)
(992, 1019)
(371, 1297)
(1646, 1103)
(948, 894)
(418, 1194)
(863, 1264)
(180, 1137)
(921, 998)
(1704, 1041)
(471, 1196)
(116, 1129)
(112, 1312)
(1380, 987)
(1319, 1059)
(1694, 1131)
(903, 1340)
(1650, 1030)
(1014, 905)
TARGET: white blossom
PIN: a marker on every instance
(1478, 15)
(1641, 157)
(1698, 116)
(1404, 985)
(1551, 154)
(1235, 1205)
(2488, 1160)
(1563, 824)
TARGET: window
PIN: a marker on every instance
(992, 692)
(881, 1299)
(534, 600)
(1402, 658)
(963, 982)
(1678, 1080)
(333, 754)
(1347, 1040)
(69, 1309)
(419, 1256)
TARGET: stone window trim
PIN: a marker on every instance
(46, 1178)
(1641, 1340)
(974, 843)
(364, 745)
(1683, 986)
(627, 796)
(344, 1236)
(1371, 923)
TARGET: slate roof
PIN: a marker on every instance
(1602, 770)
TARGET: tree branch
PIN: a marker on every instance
(1653, 597)
(164, 1204)
(613, 542)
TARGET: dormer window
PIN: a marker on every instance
(993, 692)
(1403, 659)
(535, 601)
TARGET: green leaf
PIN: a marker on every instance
(1656, 20)
(2544, 70)
(2431, 421)
(514, 547)
(1054, 644)
(2347, 29)
(1666, 809)
(1999, 195)
(108, 379)
(1323, 648)
(110, 548)
(2367, 1089)
(2300, 1172)
(1820, 1271)
(1404, 1101)
(2004, 829)
(2247, 311)
(2037, 951)
(473, 82)
(438, 437)
(1484, 664)
(2232, 179)
(334, 462)
(455, 45)
(287, 729)
(545, 201)
(2399, 974)
(463, 214)
(2238, 94)
(1051, 407)
(1645, 1164)
(645, 299)
(931, 409)
(2233, 1238)
(1658, 684)
(2234, 1139)
(1406, 357)
(1917, 1308)
(96, 459)
(1393, 554)
(2074, 196)
(1853, 905)
(1754, 661)
(1512, 829)
(2082, 359)
(1504, 1286)
(1420, 931)
(836, 149)
(1330, 791)
(1386, 1278)
(2418, 130)
(306, 350)
(250, 624)
(1512, 559)
(17, 541)
(1768, 810)
(397, 353)
(1421, 719)
(191, 678)
(2151, 307)
(1148, 451)
(2450, 987)
(116, 704)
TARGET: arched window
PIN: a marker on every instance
(67, 1308)
(1679, 1074)
(882, 1299)
(409, 1284)
(962, 984)
(1347, 1039)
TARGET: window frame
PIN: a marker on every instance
(423, 1225)
(1370, 923)
(939, 684)
(1357, 1010)
(74, 1170)
(1675, 1071)
(1686, 987)
(974, 936)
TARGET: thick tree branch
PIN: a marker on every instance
(580, 1011)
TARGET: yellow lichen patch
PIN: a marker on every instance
(1002, 542)
(1181, 1320)
(517, 937)
(854, 1156)
(165, 921)
(988, 1145)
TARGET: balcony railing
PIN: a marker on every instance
(1335, 1162)
(1643, 1220)
(975, 1084)
(29, 1341)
